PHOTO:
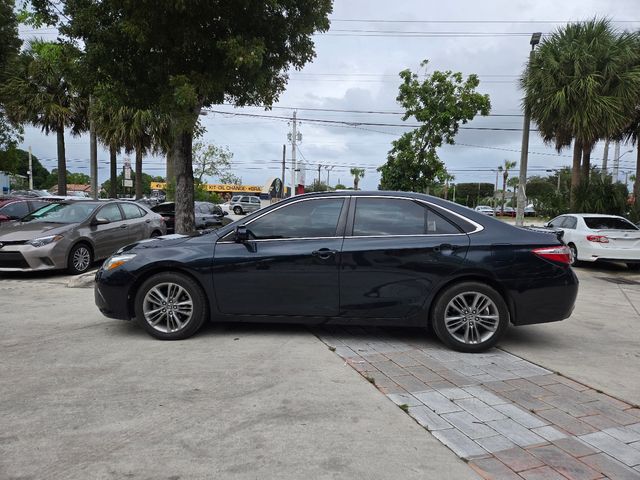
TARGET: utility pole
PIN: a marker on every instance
(93, 152)
(30, 170)
(616, 162)
(294, 137)
(495, 190)
(605, 158)
(524, 151)
(319, 168)
(329, 168)
(284, 168)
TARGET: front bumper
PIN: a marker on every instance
(111, 294)
(26, 258)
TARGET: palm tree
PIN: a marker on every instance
(357, 173)
(41, 91)
(508, 165)
(579, 87)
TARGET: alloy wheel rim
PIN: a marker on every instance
(471, 318)
(81, 259)
(167, 307)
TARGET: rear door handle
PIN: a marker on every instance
(324, 253)
(147, 221)
(445, 247)
(123, 226)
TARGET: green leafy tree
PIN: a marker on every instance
(582, 85)
(78, 178)
(471, 194)
(504, 169)
(317, 186)
(9, 47)
(40, 91)
(230, 178)
(440, 102)
(357, 173)
(182, 57)
(121, 190)
(16, 161)
(210, 161)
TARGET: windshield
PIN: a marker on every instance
(609, 223)
(62, 213)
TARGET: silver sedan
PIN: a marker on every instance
(72, 235)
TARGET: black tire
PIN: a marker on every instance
(467, 291)
(237, 210)
(80, 259)
(167, 328)
(574, 255)
(155, 234)
(634, 267)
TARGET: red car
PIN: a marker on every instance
(14, 208)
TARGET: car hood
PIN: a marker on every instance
(18, 231)
(159, 242)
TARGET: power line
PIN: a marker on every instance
(356, 123)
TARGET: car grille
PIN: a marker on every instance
(12, 260)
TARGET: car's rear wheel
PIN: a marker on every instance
(634, 267)
(237, 210)
(80, 259)
(171, 306)
(470, 317)
(155, 234)
(574, 255)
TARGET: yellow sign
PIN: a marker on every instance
(217, 187)
(234, 188)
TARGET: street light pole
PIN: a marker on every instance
(524, 154)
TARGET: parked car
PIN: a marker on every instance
(487, 210)
(72, 234)
(207, 215)
(505, 212)
(593, 237)
(14, 208)
(31, 193)
(529, 211)
(374, 258)
(241, 204)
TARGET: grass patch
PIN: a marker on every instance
(404, 407)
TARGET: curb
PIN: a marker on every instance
(86, 280)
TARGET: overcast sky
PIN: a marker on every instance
(357, 69)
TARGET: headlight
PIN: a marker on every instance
(42, 241)
(117, 261)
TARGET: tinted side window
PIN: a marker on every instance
(38, 204)
(110, 212)
(245, 199)
(557, 222)
(305, 219)
(255, 200)
(217, 210)
(16, 210)
(389, 216)
(570, 222)
(609, 223)
(131, 211)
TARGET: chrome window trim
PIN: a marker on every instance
(478, 227)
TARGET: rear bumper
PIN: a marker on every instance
(609, 255)
(551, 300)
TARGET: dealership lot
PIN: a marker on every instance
(87, 396)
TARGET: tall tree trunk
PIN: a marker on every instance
(62, 163)
(575, 171)
(504, 189)
(138, 173)
(171, 177)
(113, 172)
(586, 163)
(183, 169)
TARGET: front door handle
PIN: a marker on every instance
(123, 226)
(324, 253)
(444, 247)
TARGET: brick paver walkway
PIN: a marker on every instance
(509, 418)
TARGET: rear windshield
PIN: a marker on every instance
(609, 223)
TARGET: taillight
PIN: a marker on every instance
(597, 238)
(165, 219)
(557, 254)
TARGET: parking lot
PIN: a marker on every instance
(88, 397)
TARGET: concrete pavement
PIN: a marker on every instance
(83, 397)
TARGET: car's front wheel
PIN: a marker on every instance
(470, 317)
(237, 210)
(171, 306)
(80, 259)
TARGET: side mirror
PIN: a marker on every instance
(224, 214)
(100, 221)
(241, 234)
(4, 218)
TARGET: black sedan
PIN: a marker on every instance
(375, 258)
(207, 215)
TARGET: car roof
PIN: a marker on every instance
(582, 215)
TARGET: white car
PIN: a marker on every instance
(595, 237)
(485, 209)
